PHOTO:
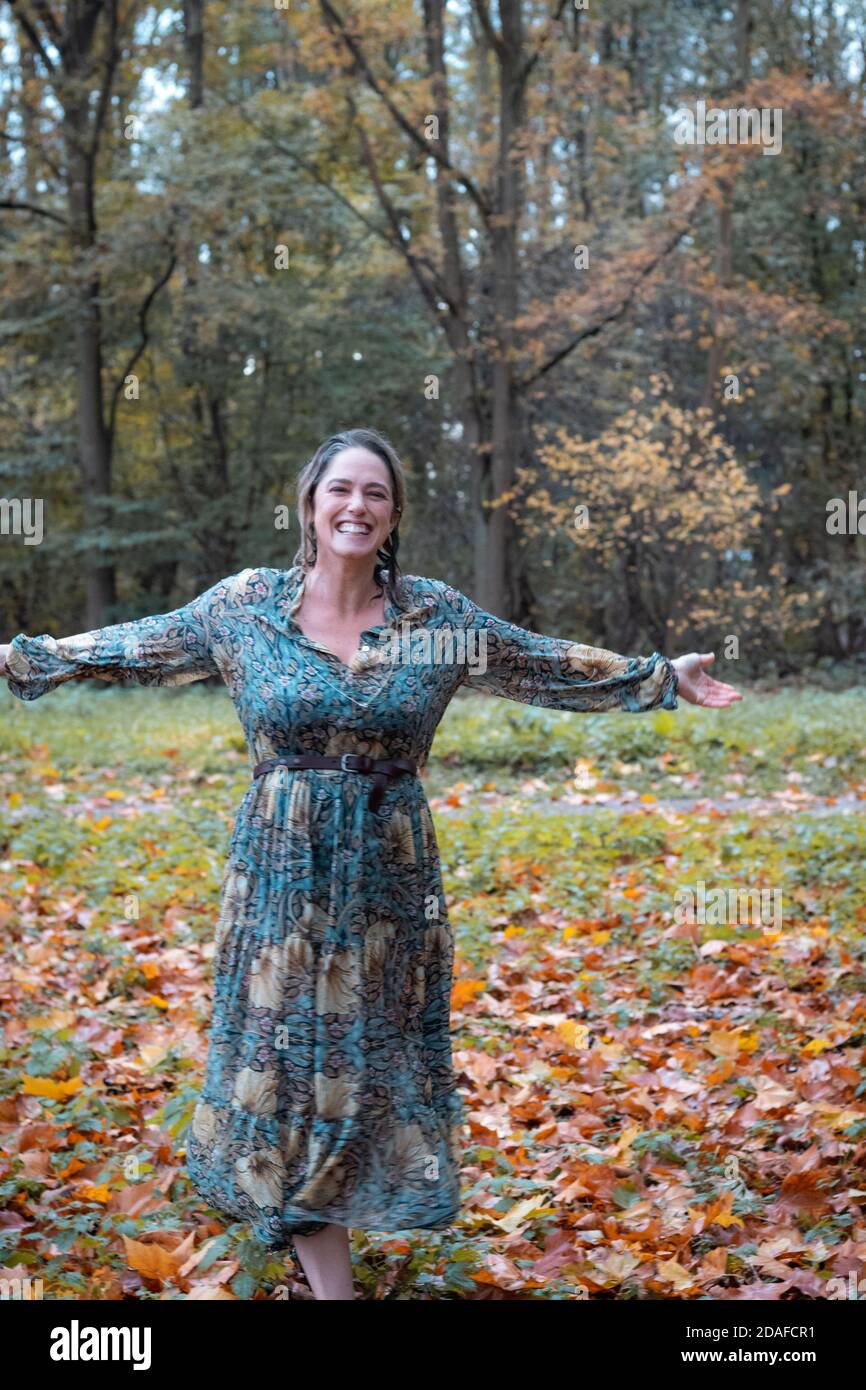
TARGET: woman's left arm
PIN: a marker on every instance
(503, 659)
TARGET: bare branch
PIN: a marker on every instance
(40, 212)
(32, 145)
(109, 68)
(495, 40)
(619, 309)
(55, 33)
(542, 43)
(428, 146)
(309, 169)
(145, 338)
(33, 35)
(431, 290)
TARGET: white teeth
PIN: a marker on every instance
(353, 528)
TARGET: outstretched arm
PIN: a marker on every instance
(166, 649)
(506, 660)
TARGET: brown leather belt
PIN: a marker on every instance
(345, 762)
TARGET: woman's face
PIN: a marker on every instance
(353, 510)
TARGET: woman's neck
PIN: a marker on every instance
(346, 591)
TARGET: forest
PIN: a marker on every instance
(597, 271)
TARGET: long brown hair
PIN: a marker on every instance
(386, 572)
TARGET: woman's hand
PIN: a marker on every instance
(698, 688)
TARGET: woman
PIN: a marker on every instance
(329, 1099)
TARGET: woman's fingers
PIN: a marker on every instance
(720, 700)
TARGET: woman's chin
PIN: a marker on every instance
(356, 546)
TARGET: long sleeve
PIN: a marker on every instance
(166, 649)
(502, 659)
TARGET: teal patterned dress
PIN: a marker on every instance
(329, 1093)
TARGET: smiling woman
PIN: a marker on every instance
(330, 1099)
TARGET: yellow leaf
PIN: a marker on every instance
(722, 1043)
(673, 1273)
(520, 1214)
(574, 1034)
(599, 938)
(14, 798)
(94, 1194)
(616, 1265)
(113, 795)
(52, 1090)
(625, 1140)
(153, 1053)
(58, 1018)
(719, 1213)
(815, 1046)
(158, 1000)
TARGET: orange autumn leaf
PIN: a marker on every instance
(464, 991)
(94, 1193)
(720, 1214)
(575, 1034)
(72, 1167)
(152, 1261)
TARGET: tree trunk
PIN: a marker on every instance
(495, 587)
(94, 442)
(193, 43)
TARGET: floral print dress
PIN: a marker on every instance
(329, 1094)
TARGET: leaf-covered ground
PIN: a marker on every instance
(658, 1107)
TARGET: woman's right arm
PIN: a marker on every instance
(166, 649)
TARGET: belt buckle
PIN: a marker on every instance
(362, 758)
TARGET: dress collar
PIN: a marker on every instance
(287, 597)
(291, 593)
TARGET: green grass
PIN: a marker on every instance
(752, 747)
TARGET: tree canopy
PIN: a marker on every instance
(514, 237)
